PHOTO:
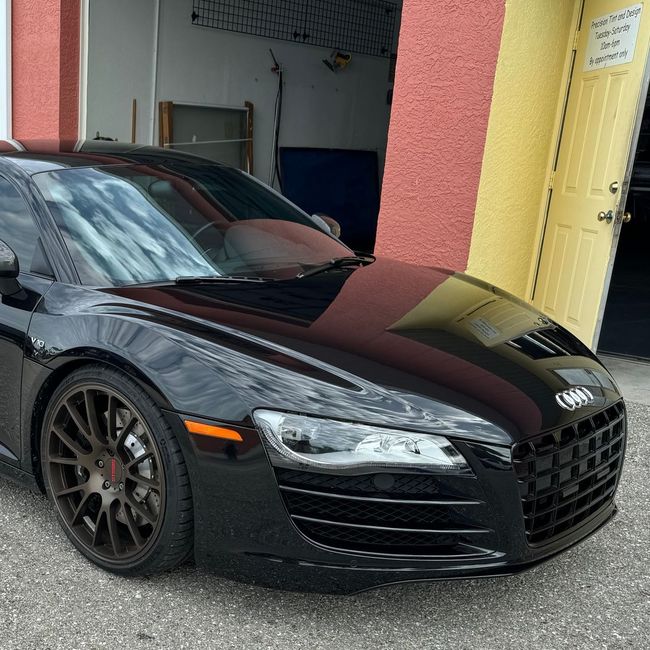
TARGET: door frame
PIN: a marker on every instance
(554, 152)
(625, 184)
(5, 69)
(84, 17)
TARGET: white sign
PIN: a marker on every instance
(612, 38)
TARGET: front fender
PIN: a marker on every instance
(177, 377)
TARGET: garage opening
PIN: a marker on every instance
(295, 92)
(626, 323)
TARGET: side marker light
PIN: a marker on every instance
(212, 431)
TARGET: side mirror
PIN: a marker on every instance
(330, 225)
(9, 270)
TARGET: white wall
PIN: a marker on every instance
(203, 65)
(121, 38)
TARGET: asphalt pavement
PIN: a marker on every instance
(596, 595)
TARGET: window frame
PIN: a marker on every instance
(57, 256)
(30, 213)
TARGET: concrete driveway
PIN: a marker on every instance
(594, 596)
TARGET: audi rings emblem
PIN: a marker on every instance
(574, 398)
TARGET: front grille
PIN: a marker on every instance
(389, 514)
(568, 475)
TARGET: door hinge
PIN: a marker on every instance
(576, 38)
(551, 180)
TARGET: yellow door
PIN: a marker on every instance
(586, 204)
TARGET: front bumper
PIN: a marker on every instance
(309, 531)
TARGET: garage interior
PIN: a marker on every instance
(626, 322)
(296, 92)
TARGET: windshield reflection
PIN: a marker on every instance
(138, 224)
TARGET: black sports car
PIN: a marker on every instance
(192, 366)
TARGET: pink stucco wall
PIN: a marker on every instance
(445, 71)
(45, 68)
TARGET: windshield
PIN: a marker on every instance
(149, 223)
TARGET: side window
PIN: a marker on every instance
(17, 227)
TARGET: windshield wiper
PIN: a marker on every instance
(338, 263)
(205, 279)
(197, 279)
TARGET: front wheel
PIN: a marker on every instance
(116, 474)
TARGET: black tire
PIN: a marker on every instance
(108, 454)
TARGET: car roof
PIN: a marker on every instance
(42, 155)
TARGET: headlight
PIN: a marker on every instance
(329, 444)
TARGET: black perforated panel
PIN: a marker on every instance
(360, 26)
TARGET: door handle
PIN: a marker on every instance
(627, 217)
(606, 216)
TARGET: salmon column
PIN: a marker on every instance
(443, 89)
(45, 68)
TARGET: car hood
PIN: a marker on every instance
(442, 344)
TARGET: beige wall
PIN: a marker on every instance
(522, 131)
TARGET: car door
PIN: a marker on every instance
(18, 230)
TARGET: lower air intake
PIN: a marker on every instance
(387, 514)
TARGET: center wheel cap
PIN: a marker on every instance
(116, 470)
(112, 471)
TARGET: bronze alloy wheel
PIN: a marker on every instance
(104, 472)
